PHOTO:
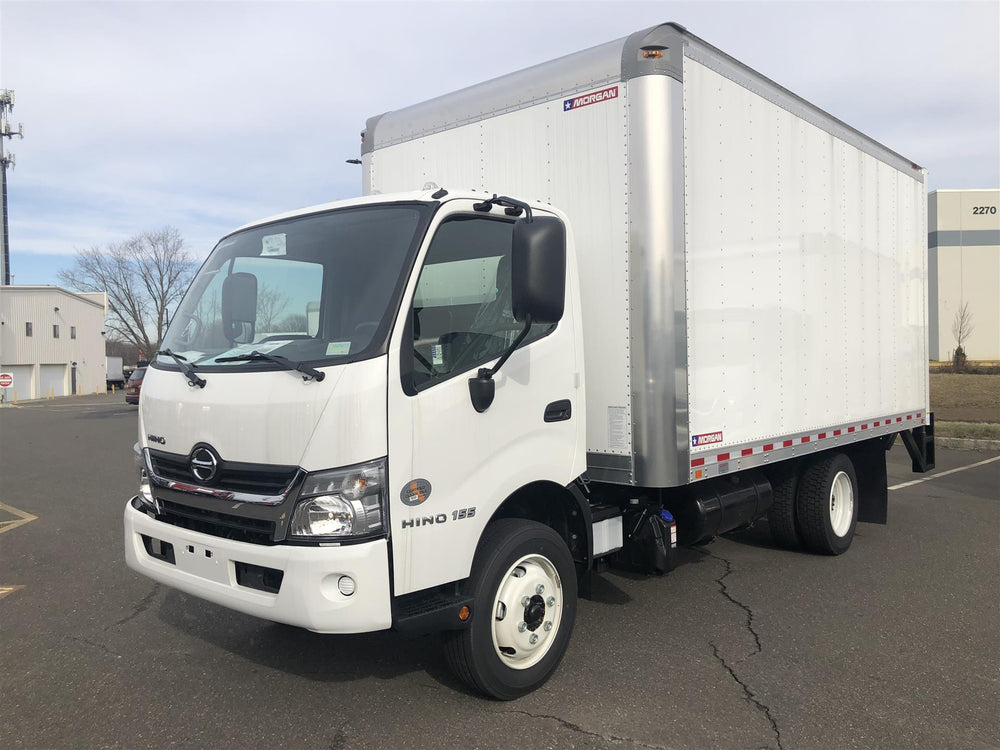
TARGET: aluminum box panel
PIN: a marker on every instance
(575, 159)
(805, 271)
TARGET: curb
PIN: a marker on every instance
(968, 444)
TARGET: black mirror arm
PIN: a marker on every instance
(514, 207)
(489, 372)
(482, 388)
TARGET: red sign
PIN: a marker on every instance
(6, 380)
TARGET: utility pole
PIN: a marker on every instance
(6, 105)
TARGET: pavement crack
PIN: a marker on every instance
(724, 589)
(749, 695)
(94, 644)
(580, 730)
(141, 607)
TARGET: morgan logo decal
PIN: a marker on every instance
(415, 492)
(706, 439)
(593, 97)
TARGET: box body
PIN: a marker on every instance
(752, 270)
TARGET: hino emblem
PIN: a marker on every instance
(204, 464)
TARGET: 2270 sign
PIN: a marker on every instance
(983, 210)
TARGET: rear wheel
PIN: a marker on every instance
(781, 515)
(523, 585)
(827, 505)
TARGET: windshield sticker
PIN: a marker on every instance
(437, 354)
(273, 244)
(338, 348)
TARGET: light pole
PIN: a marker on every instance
(6, 105)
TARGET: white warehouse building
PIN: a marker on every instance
(964, 268)
(52, 341)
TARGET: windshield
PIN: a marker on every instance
(317, 288)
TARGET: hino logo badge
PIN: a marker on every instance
(204, 464)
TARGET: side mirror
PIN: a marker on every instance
(538, 270)
(239, 306)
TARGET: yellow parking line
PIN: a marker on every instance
(4, 590)
(22, 518)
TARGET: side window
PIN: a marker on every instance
(461, 312)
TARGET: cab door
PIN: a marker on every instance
(451, 467)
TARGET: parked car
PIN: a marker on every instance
(134, 385)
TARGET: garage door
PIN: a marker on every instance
(22, 382)
(53, 377)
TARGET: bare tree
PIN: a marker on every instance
(270, 304)
(144, 276)
(961, 328)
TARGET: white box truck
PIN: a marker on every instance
(702, 302)
(115, 375)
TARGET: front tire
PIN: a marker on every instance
(523, 584)
(827, 505)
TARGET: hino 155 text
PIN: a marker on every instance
(635, 297)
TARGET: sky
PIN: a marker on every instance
(205, 116)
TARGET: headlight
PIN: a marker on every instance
(145, 490)
(341, 502)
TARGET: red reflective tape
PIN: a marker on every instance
(769, 447)
(850, 429)
(698, 462)
(821, 436)
(747, 452)
(899, 419)
(864, 427)
(876, 424)
(786, 443)
(722, 457)
(805, 439)
(918, 414)
(909, 416)
(836, 432)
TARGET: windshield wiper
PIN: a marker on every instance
(186, 368)
(308, 373)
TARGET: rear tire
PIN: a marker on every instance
(523, 584)
(781, 515)
(827, 505)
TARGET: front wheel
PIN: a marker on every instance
(523, 585)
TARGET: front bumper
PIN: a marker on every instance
(308, 597)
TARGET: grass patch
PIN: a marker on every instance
(969, 430)
(965, 398)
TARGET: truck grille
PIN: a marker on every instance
(237, 528)
(259, 479)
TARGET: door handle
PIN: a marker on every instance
(559, 411)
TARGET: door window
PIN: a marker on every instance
(461, 311)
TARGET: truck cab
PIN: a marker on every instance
(315, 446)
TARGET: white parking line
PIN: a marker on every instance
(944, 473)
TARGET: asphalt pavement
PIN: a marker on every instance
(894, 644)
